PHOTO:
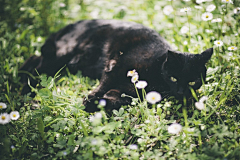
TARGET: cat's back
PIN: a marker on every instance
(91, 33)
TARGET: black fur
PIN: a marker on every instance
(107, 50)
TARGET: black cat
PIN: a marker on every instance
(107, 50)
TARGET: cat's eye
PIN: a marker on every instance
(191, 83)
(173, 79)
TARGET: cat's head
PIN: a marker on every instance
(183, 71)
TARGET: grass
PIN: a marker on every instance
(53, 124)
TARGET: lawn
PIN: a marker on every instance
(53, 125)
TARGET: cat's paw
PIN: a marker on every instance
(91, 104)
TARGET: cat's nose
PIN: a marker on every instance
(180, 91)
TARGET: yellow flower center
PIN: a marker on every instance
(227, 0)
(14, 115)
(131, 72)
(3, 117)
(153, 98)
(232, 47)
(218, 42)
(1, 106)
(207, 16)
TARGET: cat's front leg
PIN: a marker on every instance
(112, 98)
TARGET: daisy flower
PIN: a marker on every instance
(227, 1)
(167, 10)
(153, 97)
(218, 43)
(102, 102)
(230, 54)
(174, 128)
(236, 10)
(185, 9)
(199, 1)
(210, 8)
(207, 16)
(135, 78)
(200, 105)
(131, 73)
(141, 84)
(133, 147)
(14, 115)
(184, 29)
(3, 105)
(216, 20)
(4, 118)
(232, 48)
(98, 115)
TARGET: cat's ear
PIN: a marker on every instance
(206, 55)
(173, 56)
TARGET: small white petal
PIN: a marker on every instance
(199, 105)
(102, 102)
(141, 84)
(3, 105)
(133, 147)
(167, 10)
(4, 118)
(98, 115)
(203, 98)
(131, 73)
(210, 8)
(14, 115)
(134, 78)
(153, 97)
(174, 128)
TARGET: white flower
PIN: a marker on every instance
(62, 4)
(207, 16)
(216, 20)
(185, 42)
(218, 43)
(102, 102)
(230, 53)
(227, 1)
(199, 1)
(135, 78)
(203, 99)
(153, 97)
(147, 121)
(14, 115)
(91, 118)
(208, 30)
(200, 105)
(4, 118)
(3, 105)
(133, 147)
(167, 10)
(98, 115)
(232, 48)
(131, 73)
(184, 29)
(210, 8)
(198, 7)
(141, 84)
(236, 10)
(186, 0)
(174, 128)
(185, 9)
